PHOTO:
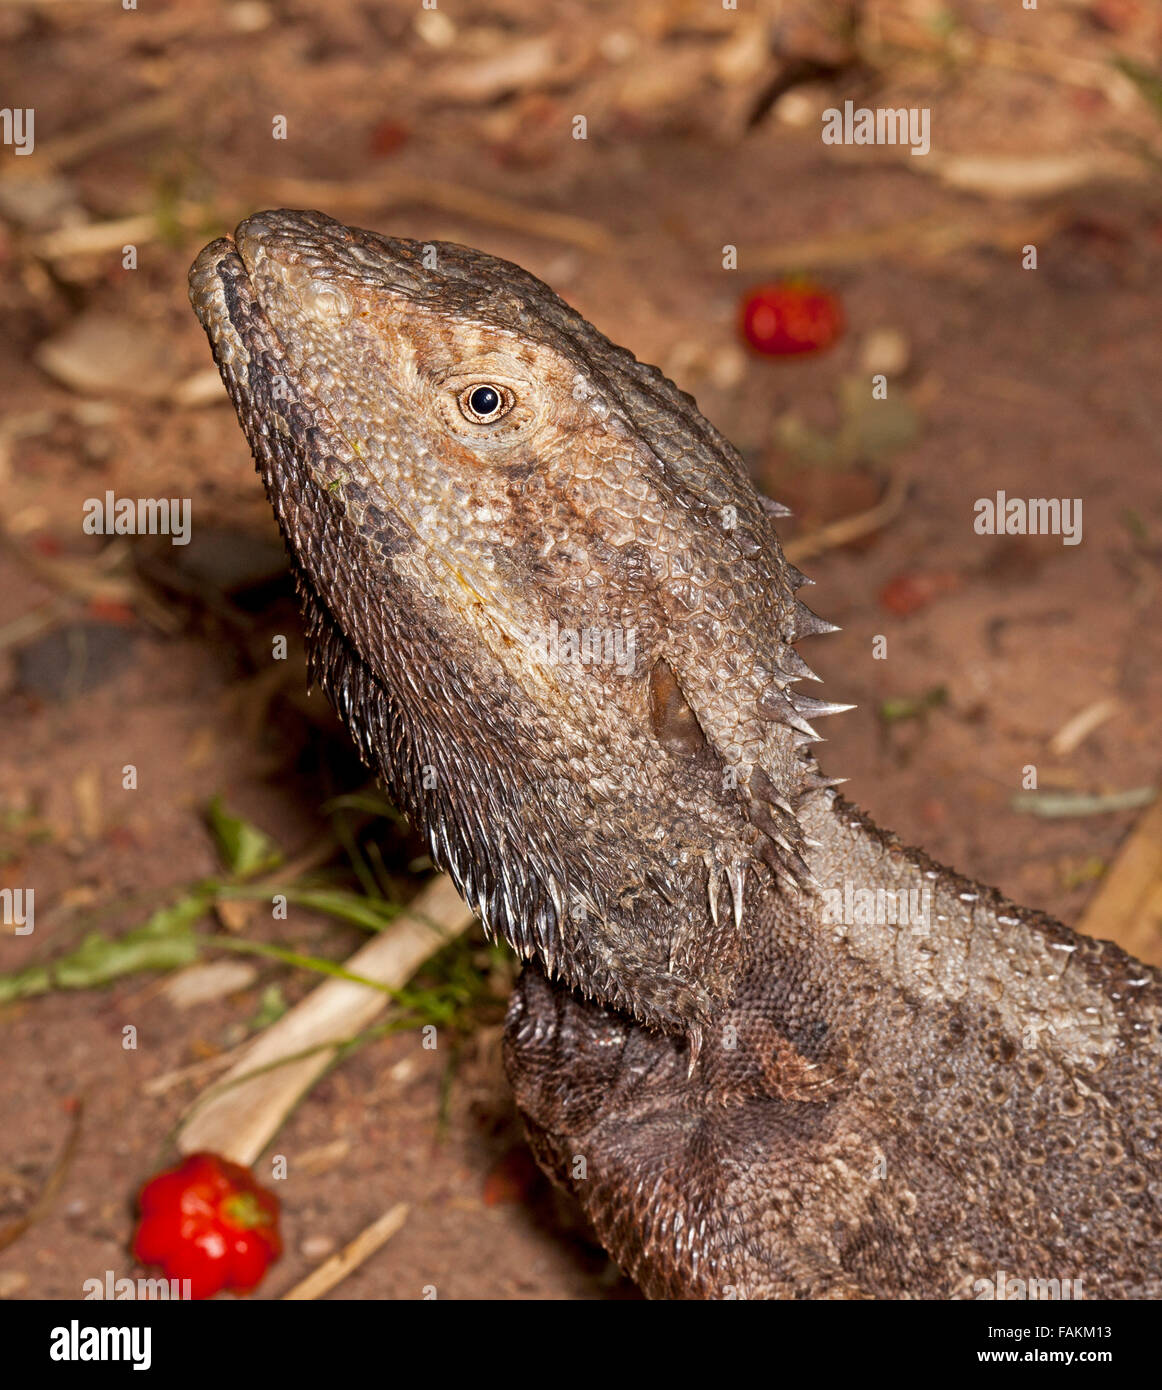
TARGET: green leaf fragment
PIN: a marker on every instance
(1147, 81)
(912, 706)
(245, 849)
(1053, 805)
(165, 942)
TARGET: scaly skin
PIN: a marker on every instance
(753, 1091)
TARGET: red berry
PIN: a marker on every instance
(790, 317)
(208, 1221)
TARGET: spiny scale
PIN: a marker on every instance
(805, 623)
(732, 877)
(736, 877)
(781, 846)
(817, 709)
(773, 508)
(792, 665)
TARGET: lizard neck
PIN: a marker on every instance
(889, 923)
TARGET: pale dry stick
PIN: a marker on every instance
(241, 1114)
(335, 1269)
(1056, 805)
(1075, 731)
(200, 388)
(1068, 69)
(22, 425)
(1127, 908)
(849, 528)
(1017, 178)
(51, 1186)
(30, 624)
(196, 1071)
(97, 238)
(100, 238)
(66, 149)
(1028, 177)
(931, 236)
(448, 197)
(974, 49)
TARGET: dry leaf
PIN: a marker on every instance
(104, 354)
(200, 984)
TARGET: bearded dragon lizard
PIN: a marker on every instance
(548, 602)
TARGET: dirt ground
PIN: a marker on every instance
(154, 130)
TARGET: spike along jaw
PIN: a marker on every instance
(541, 591)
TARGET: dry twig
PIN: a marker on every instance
(335, 1269)
(240, 1115)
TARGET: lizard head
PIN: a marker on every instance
(541, 590)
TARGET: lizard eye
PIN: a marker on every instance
(485, 403)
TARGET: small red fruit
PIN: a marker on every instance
(912, 590)
(789, 317)
(208, 1221)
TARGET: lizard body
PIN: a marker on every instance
(554, 612)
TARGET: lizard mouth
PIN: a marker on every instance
(278, 268)
(225, 284)
(224, 298)
(237, 287)
(305, 257)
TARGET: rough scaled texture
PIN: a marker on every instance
(561, 630)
